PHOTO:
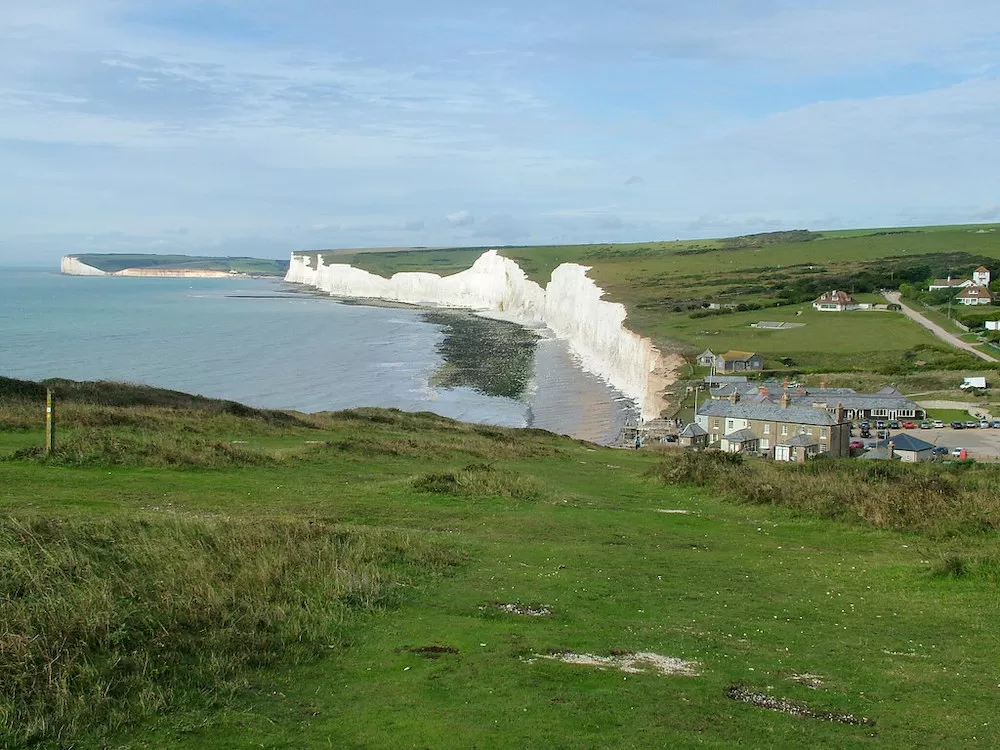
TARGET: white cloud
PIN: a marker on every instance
(460, 218)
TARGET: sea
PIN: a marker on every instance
(270, 344)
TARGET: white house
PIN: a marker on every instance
(835, 301)
(950, 283)
(981, 276)
(974, 295)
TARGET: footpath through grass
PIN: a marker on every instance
(379, 579)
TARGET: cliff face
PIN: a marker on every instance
(71, 266)
(570, 305)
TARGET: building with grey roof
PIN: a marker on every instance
(888, 403)
(774, 424)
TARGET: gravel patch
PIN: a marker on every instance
(633, 663)
(772, 703)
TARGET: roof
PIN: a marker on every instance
(741, 436)
(951, 282)
(726, 379)
(706, 353)
(800, 441)
(835, 297)
(904, 442)
(826, 398)
(879, 454)
(981, 269)
(768, 412)
(978, 382)
(693, 430)
(975, 292)
(734, 355)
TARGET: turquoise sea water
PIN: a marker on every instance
(264, 343)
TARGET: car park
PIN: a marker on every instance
(925, 425)
(938, 424)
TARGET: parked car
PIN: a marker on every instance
(908, 425)
(939, 450)
(957, 452)
(971, 424)
(865, 424)
(866, 433)
(938, 424)
(880, 424)
(856, 444)
(984, 424)
(881, 434)
(894, 425)
(925, 425)
(958, 425)
(995, 423)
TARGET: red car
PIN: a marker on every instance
(856, 444)
(908, 425)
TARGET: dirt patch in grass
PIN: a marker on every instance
(432, 652)
(741, 693)
(520, 609)
(631, 662)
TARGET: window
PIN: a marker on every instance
(765, 444)
(809, 431)
(784, 429)
(823, 433)
(767, 429)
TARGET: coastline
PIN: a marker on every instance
(570, 306)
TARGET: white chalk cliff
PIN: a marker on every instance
(570, 305)
(72, 266)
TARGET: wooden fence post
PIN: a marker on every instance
(50, 421)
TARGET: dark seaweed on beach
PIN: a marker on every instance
(493, 357)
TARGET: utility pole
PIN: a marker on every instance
(50, 421)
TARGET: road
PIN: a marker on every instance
(934, 328)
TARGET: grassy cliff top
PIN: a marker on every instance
(112, 262)
(186, 573)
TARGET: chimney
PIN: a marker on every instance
(734, 397)
(840, 412)
(786, 383)
(892, 449)
(762, 390)
(822, 385)
(786, 400)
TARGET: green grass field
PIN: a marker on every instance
(186, 573)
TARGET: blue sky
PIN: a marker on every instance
(253, 127)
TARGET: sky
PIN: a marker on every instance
(256, 127)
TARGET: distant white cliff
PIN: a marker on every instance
(570, 305)
(72, 266)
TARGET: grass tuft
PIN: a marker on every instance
(107, 622)
(481, 480)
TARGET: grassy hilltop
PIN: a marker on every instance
(112, 262)
(667, 286)
(188, 573)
